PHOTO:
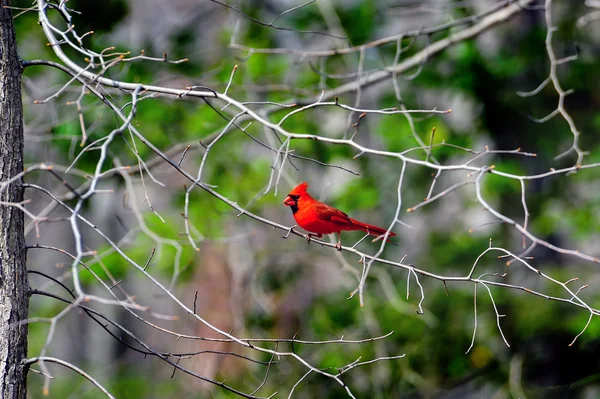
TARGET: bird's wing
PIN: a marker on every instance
(331, 214)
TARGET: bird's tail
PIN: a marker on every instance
(370, 229)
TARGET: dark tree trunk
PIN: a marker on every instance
(14, 288)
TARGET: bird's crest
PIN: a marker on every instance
(300, 189)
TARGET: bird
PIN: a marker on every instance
(319, 218)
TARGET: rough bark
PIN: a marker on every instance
(14, 288)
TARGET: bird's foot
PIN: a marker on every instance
(338, 246)
(309, 236)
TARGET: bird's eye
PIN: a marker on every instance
(294, 197)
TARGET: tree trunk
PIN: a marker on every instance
(14, 288)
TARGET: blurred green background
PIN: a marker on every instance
(251, 281)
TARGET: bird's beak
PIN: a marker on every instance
(288, 201)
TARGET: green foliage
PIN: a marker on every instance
(357, 195)
(360, 21)
(495, 185)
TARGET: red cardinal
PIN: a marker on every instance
(320, 218)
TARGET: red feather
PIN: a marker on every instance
(319, 218)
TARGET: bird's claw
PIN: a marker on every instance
(309, 236)
(338, 246)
